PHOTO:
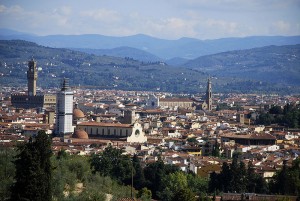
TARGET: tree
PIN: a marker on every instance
(112, 163)
(197, 184)
(144, 194)
(33, 170)
(214, 183)
(276, 110)
(255, 182)
(138, 178)
(216, 150)
(184, 195)
(251, 184)
(172, 184)
(7, 171)
(287, 180)
(225, 178)
(154, 174)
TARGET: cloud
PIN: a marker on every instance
(281, 26)
(221, 24)
(103, 15)
(2, 8)
(170, 19)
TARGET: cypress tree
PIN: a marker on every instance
(33, 170)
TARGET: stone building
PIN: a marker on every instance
(129, 132)
(32, 99)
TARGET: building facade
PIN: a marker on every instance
(32, 100)
(176, 102)
(130, 132)
(64, 111)
(31, 78)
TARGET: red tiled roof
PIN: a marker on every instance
(105, 124)
(175, 100)
(250, 136)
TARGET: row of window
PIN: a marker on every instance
(50, 99)
(104, 131)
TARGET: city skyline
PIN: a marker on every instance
(162, 19)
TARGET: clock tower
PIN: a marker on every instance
(209, 95)
(32, 77)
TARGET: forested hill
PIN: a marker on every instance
(275, 64)
(106, 72)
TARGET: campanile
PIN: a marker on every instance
(31, 77)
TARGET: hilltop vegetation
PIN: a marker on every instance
(104, 72)
(275, 64)
(107, 72)
(73, 177)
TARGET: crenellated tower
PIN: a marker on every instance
(32, 77)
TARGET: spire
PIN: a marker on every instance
(65, 85)
(209, 95)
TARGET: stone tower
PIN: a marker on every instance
(209, 95)
(64, 110)
(32, 77)
(129, 117)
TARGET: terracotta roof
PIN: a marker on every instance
(175, 100)
(81, 134)
(77, 113)
(250, 136)
(105, 124)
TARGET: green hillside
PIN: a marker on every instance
(103, 72)
(106, 72)
(274, 64)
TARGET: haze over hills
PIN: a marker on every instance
(188, 48)
(274, 64)
(269, 69)
(123, 52)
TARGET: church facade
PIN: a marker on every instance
(130, 132)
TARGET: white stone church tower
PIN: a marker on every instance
(64, 110)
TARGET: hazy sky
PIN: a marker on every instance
(168, 19)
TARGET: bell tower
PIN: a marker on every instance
(32, 77)
(209, 95)
(64, 110)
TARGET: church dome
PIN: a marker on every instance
(77, 113)
(81, 134)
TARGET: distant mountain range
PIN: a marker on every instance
(164, 50)
(272, 69)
